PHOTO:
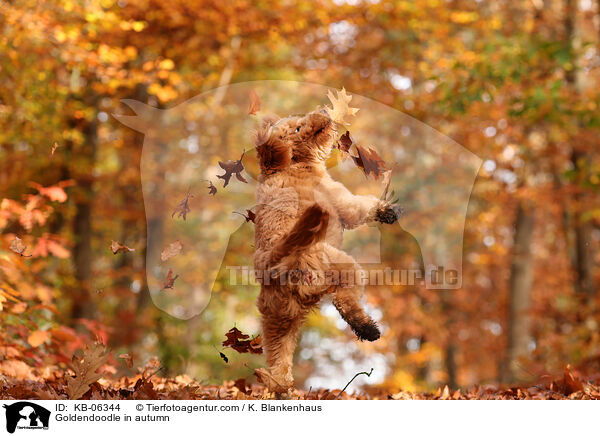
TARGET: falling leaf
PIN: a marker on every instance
(254, 103)
(170, 280)
(212, 189)
(18, 247)
(250, 217)
(223, 356)
(117, 247)
(369, 161)
(54, 147)
(345, 142)
(183, 208)
(172, 250)
(232, 167)
(128, 359)
(340, 107)
(86, 370)
(240, 342)
(37, 338)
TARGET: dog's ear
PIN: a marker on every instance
(273, 153)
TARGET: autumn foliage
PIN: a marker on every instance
(516, 83)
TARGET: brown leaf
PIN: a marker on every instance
(254, 103)
(117, 247)
(571, 383)
(212, 189)
(170, 280)
(240, 342)
(232, 167)
(240, 383)
(369, 161)
(172, 250)
(250, 217)
(345, 142)
(266, 378)
(128, 359)
(183, 208)
(18, 247)
(86, 370)
(54, 147)
(144, 390)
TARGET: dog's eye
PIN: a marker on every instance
(297, 129)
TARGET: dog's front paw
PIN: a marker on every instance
(388, 214)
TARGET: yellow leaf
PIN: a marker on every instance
(340, 107)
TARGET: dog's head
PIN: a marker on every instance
(295, 139)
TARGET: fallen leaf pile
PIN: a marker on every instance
(89, 384)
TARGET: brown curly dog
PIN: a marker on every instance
(301, 215)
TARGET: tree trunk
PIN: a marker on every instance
(82, 224)
(521, 280)
(582, 262)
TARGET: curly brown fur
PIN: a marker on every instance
(300, 218)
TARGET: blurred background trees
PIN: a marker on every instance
(514, 82)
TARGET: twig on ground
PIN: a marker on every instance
(368, 374)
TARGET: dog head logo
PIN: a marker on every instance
(206, 144)
(26, 415)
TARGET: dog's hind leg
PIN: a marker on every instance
(346, 299)
(279, 334)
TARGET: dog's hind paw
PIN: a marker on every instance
(368, 331)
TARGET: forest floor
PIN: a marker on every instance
(62, 385)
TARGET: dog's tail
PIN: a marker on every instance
(309, 229)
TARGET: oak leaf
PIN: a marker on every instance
(86, 370)
(369, 161)
(345, 142)
(212, 189)
(232, 167)
(340, 107)
(241, 343)
(183, 208)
